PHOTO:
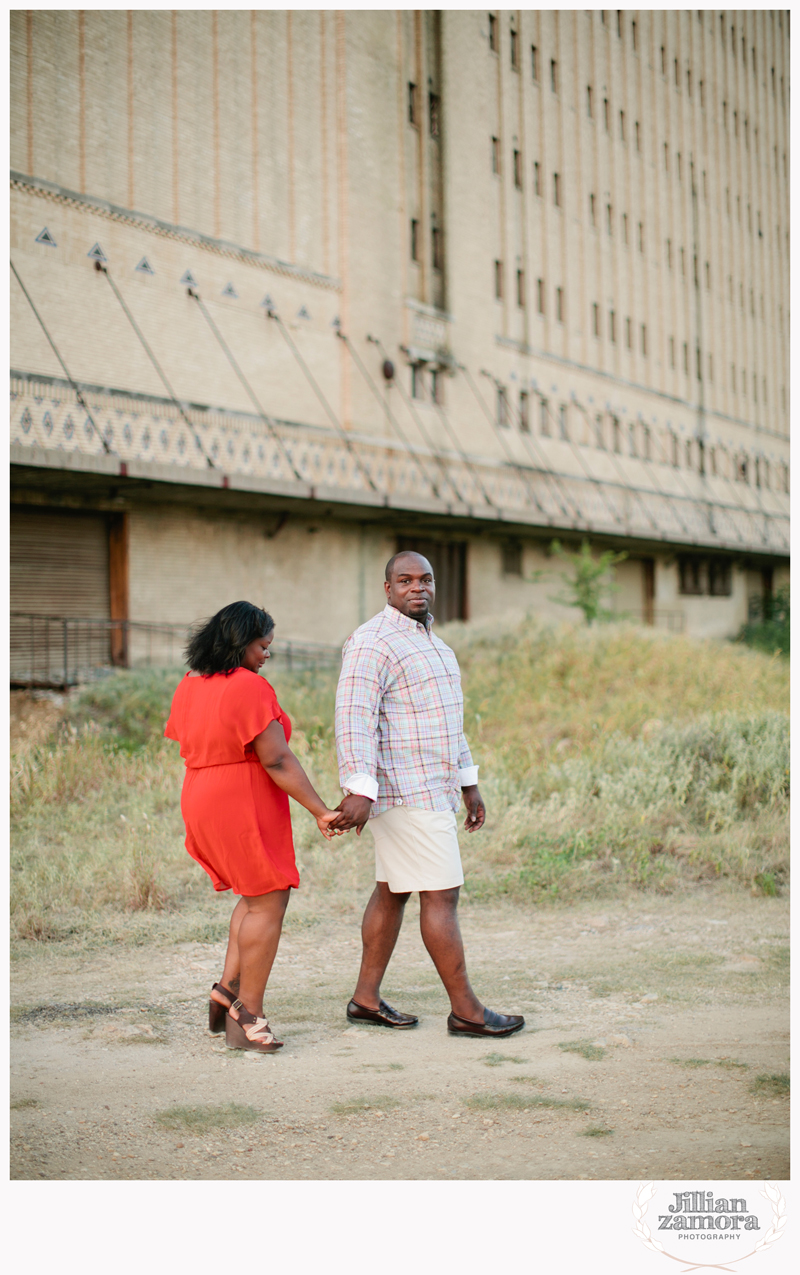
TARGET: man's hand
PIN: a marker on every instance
(353, 813)
(476, 811)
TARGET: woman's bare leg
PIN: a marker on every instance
(257, 936)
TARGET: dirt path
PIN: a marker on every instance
(105, 1042)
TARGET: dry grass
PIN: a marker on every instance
(609, 758)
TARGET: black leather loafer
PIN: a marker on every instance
(493, 1025)
(385, 1016)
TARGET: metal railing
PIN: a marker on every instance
(56, 651)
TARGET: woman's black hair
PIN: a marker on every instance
(219, 644)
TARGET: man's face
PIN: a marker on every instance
(411, 589)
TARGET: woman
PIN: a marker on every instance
(239, 770)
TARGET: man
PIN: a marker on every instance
(403, 764)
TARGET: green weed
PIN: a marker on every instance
(596, 1131)
(23, 1104)
(583, 1047)
(198, 1120)
(496, 1060)
(774, 1085)
(513, 1101)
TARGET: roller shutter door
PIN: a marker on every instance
(59, 568)
(59, 564)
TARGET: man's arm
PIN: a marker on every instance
(468, 779)
(358, 699)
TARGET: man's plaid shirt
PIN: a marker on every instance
(400, 717)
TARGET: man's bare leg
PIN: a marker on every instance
(379, 930)
(441, 934)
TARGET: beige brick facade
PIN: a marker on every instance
(571, 227)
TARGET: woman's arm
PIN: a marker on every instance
(283, 767)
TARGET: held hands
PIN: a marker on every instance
(324, 822)
(352, 812)
(476, 811)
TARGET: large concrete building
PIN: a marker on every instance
(291, 289)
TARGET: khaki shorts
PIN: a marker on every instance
(416, 849)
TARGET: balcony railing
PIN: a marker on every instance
(52, 651)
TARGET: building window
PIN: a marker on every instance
(605, 113)
(521, 288)
(557, 190)
(624, 227)
(641, 236)
(702, 96)
(553, 75)
(669, 254)
(433, 111)
(628, 334)
(677, 75)
(719, 579)
(544, 418)
(663, 60)
(688, 82)
(647, 441)
(511, 557)
(595, 319)
(592, 216)
(437, 387)
(619, 23)
(514, 50)
(535, 64)
(498, 280)
(492, 33)
(599, 435)
(589, 105)
(674, 447)
(632, 449)
(436, 247)
(560, 305)
(638, 134)
(502, 407)
(690, 571)
(689, 454)
(495, 155)
(672, 352)
(540, 295)
(417, 381)
(666, 157)
(612, 327)
(518, 170)
(643, 334)
(686, 358)
(563, 422)
(415, 240)
(537, 179)
(708, 276)
(633, 37)
(678, 165)
(609, 219)
(622, 126)
(412, 104)
(524, 412)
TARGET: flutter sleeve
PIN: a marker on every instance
(172, 730)
(253, 707)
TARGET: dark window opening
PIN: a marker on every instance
(534, 64)
(498, 279)
(492, 33)
(436, 248)
(524, 412)
(691, 575)
(521, 289)
(415, 240)
(514, 50)
(433, 110)
(412, 104)
(511, 557)
(719, 579)
(518, 170)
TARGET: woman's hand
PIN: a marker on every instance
(324, 821)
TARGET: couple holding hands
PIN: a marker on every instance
(404, 766)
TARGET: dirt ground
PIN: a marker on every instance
(670, 1009)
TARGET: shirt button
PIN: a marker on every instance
(398, 801)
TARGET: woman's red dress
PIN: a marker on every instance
(237, 819)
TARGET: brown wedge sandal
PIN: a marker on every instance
(249, 1032)
(217, 1012)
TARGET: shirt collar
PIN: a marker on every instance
(405, 621)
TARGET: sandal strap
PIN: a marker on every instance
(220, 987)
(255, 1029)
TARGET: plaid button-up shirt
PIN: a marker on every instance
(400, 716)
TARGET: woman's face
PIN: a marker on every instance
(256, 652)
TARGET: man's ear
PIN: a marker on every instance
(386, 587)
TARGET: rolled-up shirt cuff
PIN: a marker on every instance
(362, 786)
(467, 776)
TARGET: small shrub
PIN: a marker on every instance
(583, 1047)
(23, 1104)
(513, 1101)
(198, 1120)
(775, 1085)
(596, 1131)
(496, 1060)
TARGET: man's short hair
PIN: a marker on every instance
(404, 553)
